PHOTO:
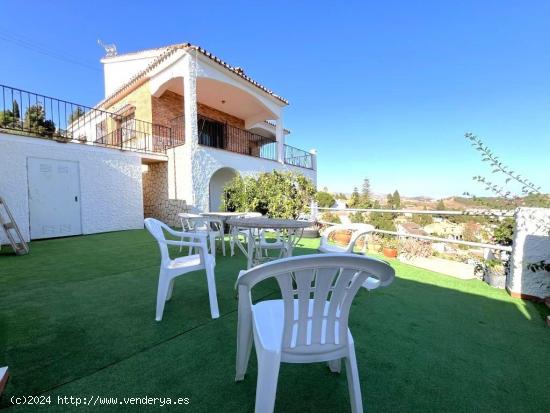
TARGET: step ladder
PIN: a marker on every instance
(12, 230)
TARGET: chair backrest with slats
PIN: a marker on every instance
(155, 227)
(317, 291)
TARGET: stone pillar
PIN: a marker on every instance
(280, 136)
(531, 245)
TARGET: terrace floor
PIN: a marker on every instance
(77, 319)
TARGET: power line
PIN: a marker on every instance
(28, 44)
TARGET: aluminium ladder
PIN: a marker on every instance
(12, 230)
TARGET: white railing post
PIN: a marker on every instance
(313, 153)
(314, 211)
(280, 136)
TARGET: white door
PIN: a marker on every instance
(54, 198)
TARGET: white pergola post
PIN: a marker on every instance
(190, 101)
(280, 136)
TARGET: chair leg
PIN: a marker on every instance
(354, 385)
(268, 375)
(162, 293)
(212, 237)
(211, 281)
(223, 244)
(244, 345)
(170, 289)
(335, 365)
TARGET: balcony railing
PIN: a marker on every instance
(298, 157)
(221, 135)
(32, 114)
(28, 113)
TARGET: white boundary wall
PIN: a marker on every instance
(110, 182)
(531, 245)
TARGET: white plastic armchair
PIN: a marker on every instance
(358, 230)
(309, 324)
(209, 225)
(172, 268)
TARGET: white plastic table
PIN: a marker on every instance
(290, 230)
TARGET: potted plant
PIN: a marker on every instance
(493, 272)
(389, 247)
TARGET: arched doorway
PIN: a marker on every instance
(217, 182)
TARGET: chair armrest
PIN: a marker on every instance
(185, 243)
(355, 236)
(186, 234)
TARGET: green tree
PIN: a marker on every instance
(396, 200)
(78, 112)
(357, 217)
(35, 121)
(15, 110)
(503, 234)
(330, 217)
(324, 199)
(276, 194)
(355, 199)
(389, 201)
(422, 219)
(365, 194)
(440, 205)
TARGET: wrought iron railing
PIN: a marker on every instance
(298, 157)
(221, 135)
(33, 114)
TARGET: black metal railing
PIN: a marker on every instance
(221, 135)
(177, 125)
(298, 157)
(33, 114)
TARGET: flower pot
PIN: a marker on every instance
(495, 278)
(342, 237)
(389, 252)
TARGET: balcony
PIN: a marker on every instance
(31, 114)
(220, 135)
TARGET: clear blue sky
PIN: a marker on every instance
(383, 90)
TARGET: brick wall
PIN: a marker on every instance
(170, 105)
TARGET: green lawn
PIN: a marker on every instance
(77, 319)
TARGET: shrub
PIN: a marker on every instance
(275, 194)
(331, 217)
(324, 199)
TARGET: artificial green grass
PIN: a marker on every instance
(77, 319)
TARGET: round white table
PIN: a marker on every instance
(290, 230)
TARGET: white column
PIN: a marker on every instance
(188, 153)
(190, 101)
(280, 136)
(313, 153)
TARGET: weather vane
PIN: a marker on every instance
(110, 49)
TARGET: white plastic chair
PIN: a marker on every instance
(209, 225)
(309, 324)
(358, 230)
(276, 243)
(172, 268)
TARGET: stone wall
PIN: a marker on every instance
(531, 244)
(156, 201)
